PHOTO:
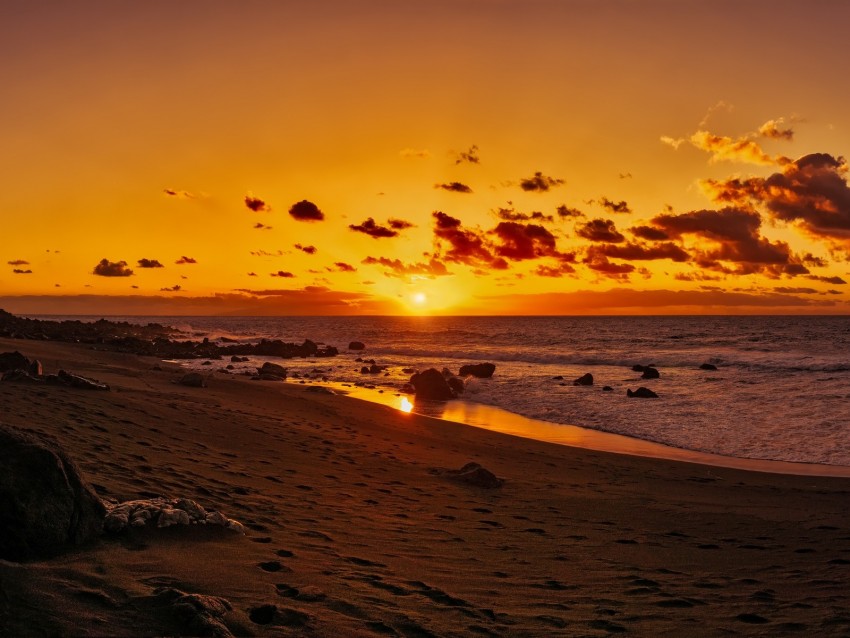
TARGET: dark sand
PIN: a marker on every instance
(353, 530)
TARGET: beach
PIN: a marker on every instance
(355, 525)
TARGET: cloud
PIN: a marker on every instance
(560, 270)
(106, 268)
(454, 187)
(565, 211)
(186, 260)
(19, 271)
(598, 262)
(282, 273)
(640, 252)
(374, 230)
(524, 241)
(412, 153)
(509, 214)
(149, 263)
(772, 129)
(174, 288)
(539, 183)
(649, 232)
(178, 194)
(624, 175)
(837, 281)
(18, 262)
(341, 266)
(795, 291)
(601, 230)
(261, 226)
(305, 211)
(400, 224)
(811, 192)
(615, 207)
(742, 149)
(265, 253)
(253, 274)
(310, 250)
(256, 204)
(470, 156)
(395, 268)
(465, 246)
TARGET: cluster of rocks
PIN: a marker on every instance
(163, 512)
(153, 339)
(436, 385)
(16, 367)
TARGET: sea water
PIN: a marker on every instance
(781, 390)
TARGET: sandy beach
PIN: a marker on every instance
(354, 528)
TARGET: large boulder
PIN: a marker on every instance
(431, 384)
(649, 372)
(45, 504)
(480, 370)
(273, 369)
(13, 361)
(585, 379)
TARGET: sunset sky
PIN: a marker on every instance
(424, 156)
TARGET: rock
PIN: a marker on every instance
(364, 370)
(45, 504)
(193, 380)
(642, 393)
(585, 379)
(650, 372)
(431, 384)
(607, 388)
(708, 366)
(479, 370)
(447, 374)
(265, 376)
(77, 381)
(20, 376)
(409, 370)
(161, 512)
(13, 361)
(35, 368)
(558, 378)
(456, 384)
(318, 389)
(200, 615)
(237, 359)
(475, 474)
(272, 368)
(356, 345)
(375, 369)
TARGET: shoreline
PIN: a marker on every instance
(357, 526)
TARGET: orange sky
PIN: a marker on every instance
(449, 157)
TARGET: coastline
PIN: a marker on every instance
(355, 528)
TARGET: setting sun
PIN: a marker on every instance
(419, 298)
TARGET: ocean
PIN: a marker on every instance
(781, 390)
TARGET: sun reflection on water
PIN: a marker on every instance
(406, 405)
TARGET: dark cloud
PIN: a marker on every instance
(509, 214)
(106, 268)
(310, 250)
(19, 271)
(265, 253)
(601, 230)
(795, 291)
(775, 129)
(374, 230)
(186, 260)
(174, 288)
(566, 211)
(554, 271)
(649, 232)
(400, 224)
(465, 246)
(625, 175)
(470, 156)
(395, 268)
(837, 281)
(282, 273)
(341, 266)
(256, 204)
(524, 241)
(598, 262)
(639, 252)
(149, 263)
(811, 192)
(18, 262)
(178, 194)
(261, 226)
(539, 183)
(815, 262)
(454, 187)
(614, 207)
(253, 274)
(305, 211)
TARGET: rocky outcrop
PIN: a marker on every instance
(479, 370)
(199, 614)
(641, 393)
(13, 361)
(162, 512)
(431, 384)
(585, 379)
(45, 504)
(456, 384)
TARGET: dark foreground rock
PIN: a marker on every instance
(649, 372)
(480, 370)
(708, 366)
(13, 361)
(585, 379)
(431, 384)
(45, 504)
(356, 345)
(641, 393)
(475, 474)
(193, 380)
(76, 381)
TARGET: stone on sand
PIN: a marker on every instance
(641, 393)
(476, 474)
(193, 380)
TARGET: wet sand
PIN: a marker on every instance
(355, 530)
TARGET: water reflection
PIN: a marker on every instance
(406, 405)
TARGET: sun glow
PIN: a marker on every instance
(419, 298)
(406, 405)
